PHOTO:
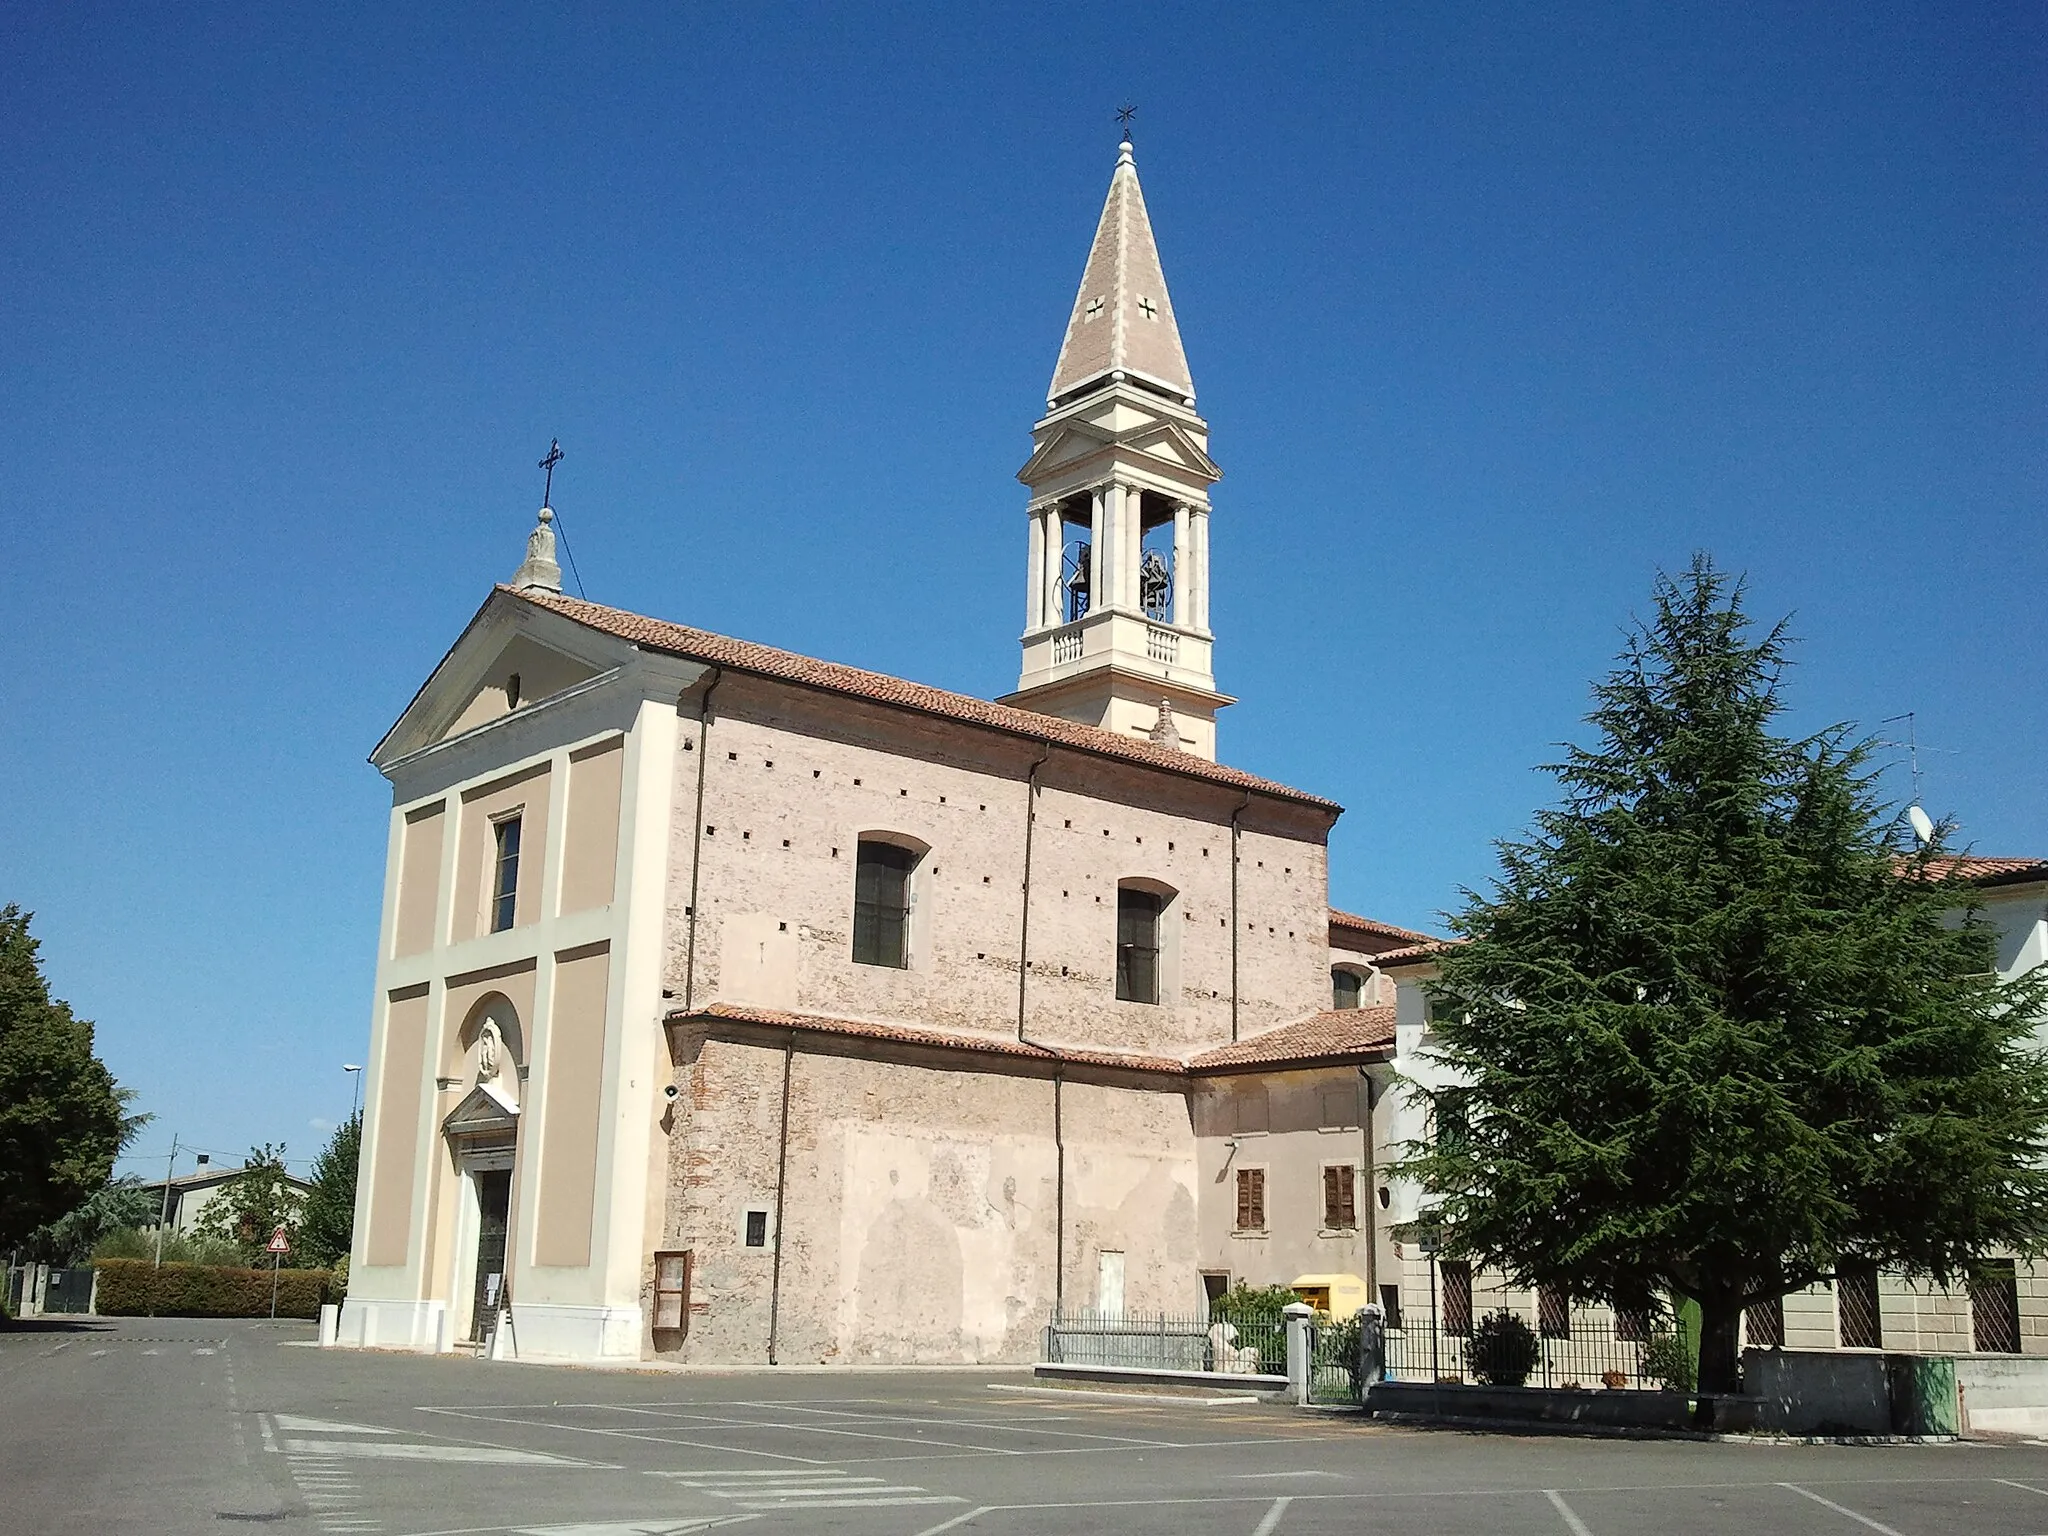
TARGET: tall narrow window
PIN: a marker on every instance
(1763, 1324)
(1347, 989)
(1553, 1312)
(1340, 1198)
(1455, 1278)
(1137, 945)
(1251, 1199)
(881, 905)
(505, 874)
(1856, 1314)
(1390, 1305)
(1995, 1307)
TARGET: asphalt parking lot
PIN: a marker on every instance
(167, 1426)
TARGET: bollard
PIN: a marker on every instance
(1298, 1315)
(330, 1325)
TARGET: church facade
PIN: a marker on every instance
(734, 1006)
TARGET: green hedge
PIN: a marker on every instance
(136, 1288)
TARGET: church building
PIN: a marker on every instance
(737, 1007)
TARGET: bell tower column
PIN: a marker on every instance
(1035, 613)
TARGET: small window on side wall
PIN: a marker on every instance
(1347, 988)
(1251, 1199)
(505, 874)
(881, 904)
(1137, 944)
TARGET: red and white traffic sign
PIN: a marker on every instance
(277, 1243)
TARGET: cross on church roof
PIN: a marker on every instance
(1124, 114)
(554, 457)
(1151, 309)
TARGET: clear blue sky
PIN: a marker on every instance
(1494, 311)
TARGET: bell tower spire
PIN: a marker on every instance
(1117, 598)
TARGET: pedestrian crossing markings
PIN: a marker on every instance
(806, 1488)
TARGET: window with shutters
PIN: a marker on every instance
(1251, 1199)
(1454, 1277)
(881, 903)
(672, 1292)
(1340, 1197)
(1137, 944)
(1347, 988)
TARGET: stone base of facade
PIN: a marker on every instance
(548, 1331)
(418, 1325)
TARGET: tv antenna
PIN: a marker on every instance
(1916, 814)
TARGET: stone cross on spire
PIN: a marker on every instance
(1123, 320)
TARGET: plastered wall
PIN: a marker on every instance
(920, 1216)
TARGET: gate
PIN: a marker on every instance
(68, 1290)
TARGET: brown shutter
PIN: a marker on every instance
(1347, 1198)
(1244, 1199)
(1259, 1199)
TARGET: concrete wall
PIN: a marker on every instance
(922, 1200)
(2003, 1392)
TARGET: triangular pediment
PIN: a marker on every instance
(1075, 440)
(483, 1111)
(512, 656)
(1169, 441)
(1166, 443)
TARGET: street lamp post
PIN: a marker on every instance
(355, 1073)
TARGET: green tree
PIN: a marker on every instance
(328, 1222)
(1720, 1029)
(117, 1205)
(254, 1204)
(61, 1116)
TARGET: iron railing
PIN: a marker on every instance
(1167, 1342)
(1589, 1350)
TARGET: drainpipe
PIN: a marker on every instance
(697, 839)
(1024, 919)
(1059, 1206)
(781, 1188)
(1235, 832)
(1371, 1224)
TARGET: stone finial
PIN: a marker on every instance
(1164, 732)
(539, 568)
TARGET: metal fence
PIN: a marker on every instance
(1585, 1351)
(1168, 1342)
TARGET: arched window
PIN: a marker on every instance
(1137, 943)
(881, 903)
(1347, 988)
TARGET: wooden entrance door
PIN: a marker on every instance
(494, 1209)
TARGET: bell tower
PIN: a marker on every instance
(1116, 613)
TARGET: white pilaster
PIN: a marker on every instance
(1055, 537)
(1180, 563)
(1200, 530)
(1034, 575)
(1098, 548)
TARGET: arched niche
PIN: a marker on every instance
(464, 1060)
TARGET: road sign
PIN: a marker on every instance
(277, 1243)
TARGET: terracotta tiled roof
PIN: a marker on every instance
(775, 1018)
(766, 661)
(1372, 927)
(1413, 954)
(1340, 1033)
(1990, 871)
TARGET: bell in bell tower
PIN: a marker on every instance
(1117, 602)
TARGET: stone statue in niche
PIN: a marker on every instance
(490, 1045)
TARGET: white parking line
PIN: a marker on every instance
(1267, 1526)
(1841, 1509)
(1572, 1522)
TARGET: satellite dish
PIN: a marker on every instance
(1923, 824)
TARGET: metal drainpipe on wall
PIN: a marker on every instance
(1059, 1143)
(1370, 1178)
(697, 837)
(1024, 900)
(1235, 833)
(781, 1188)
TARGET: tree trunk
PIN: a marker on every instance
(1720, 1350)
